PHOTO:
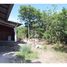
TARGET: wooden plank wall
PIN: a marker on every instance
(3, 11)
(5, 32)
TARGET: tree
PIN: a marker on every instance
(50, 25)
(63, 24)
(31, 17)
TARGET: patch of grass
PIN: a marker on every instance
(25, 49)
(26, 53)
(60, 47)
(31, 56)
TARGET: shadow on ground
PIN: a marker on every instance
(7, 53)
(10, 57)
(10, 46)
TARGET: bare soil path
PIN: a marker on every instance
(49, 56)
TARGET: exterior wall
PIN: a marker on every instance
(6, 32)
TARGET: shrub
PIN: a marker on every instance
(26, 52)
(57, 45)
(25, 49)
(60, 47)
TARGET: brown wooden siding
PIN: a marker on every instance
(5, 32)
(2, 16)
(5, 6)
(3, 10)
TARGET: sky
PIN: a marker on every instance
(15, 10)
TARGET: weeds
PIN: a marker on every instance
(26, 53)
(60, 47)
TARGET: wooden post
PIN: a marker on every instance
(15, 36)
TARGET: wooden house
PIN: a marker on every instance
(7, 28)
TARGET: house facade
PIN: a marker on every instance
(7, 28)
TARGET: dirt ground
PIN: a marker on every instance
(44, 56)
(50, 56)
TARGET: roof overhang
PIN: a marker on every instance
(9, 23)
(9, 10)
(5, 10)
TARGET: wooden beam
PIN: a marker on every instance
(9, 10)
(6, 23)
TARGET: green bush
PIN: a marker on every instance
(26, 52)
(25, 49)
(57, 45)
(60, 47)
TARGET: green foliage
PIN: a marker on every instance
(28, 14)
(26, 52)
(21, 32)
(25, 49)
(60, 47)
(63, 24)
(50, 25)
(57, 45)
(56, 27)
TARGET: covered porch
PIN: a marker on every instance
(6, 33)
(7, 28)
(8, 39)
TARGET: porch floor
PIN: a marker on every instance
(8, 46)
